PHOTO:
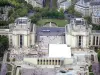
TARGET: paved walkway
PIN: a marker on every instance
(4, 65)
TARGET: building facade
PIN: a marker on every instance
(87, 7)
(82, 6)
(65, 4)
(45, 46)
(35, 3)
(96, 18)
(94, 6)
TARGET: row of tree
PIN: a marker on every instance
(3, 45)
(4, 3)
(20, 9)
(72, 11)
(99, 56)
(4, 23)
(41, 13)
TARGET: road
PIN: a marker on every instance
(4, 65)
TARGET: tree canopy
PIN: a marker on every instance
(20, 8)
(46, 13)
(88, 19)
(99, 56)
(72, 11)
(3, 45)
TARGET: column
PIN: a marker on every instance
(48, 62)
(95, 40)
(32, 38)
(98, 40)
(25, 40)
(28, 40)
(91, 39)
(54, 61)
(18, 40)
(15, 40)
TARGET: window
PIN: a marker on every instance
(89, 40)
(21, 43)
(79, 41)
(93, 40)
(97, 41)
(50, 62)
(58, 62)
(38, 61)
(53, 62)
(21, 21)
(41, 62)
(47, 62)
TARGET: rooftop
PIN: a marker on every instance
(22, 20)
(56, 51)
(65, 3)
(95, 3)
(96, 13)
(86, 1)
(79, 21)
(50, 30)
(83, 3)
(39, 1)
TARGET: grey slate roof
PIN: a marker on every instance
(39, 1)
(87, 1)
(50, 31)
(95, 31)
(95, 3)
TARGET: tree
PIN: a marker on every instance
(37, 9)
(30, 7)
(77, 14)
(99, 56)
(3, 23)
(10, 12)
(95, 27)
(88, 19)
(3, 45)
(71, 9)
(61, 14)
(34, 19)
(4, 2)
(22, 12)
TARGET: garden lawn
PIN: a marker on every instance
(60, 23)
